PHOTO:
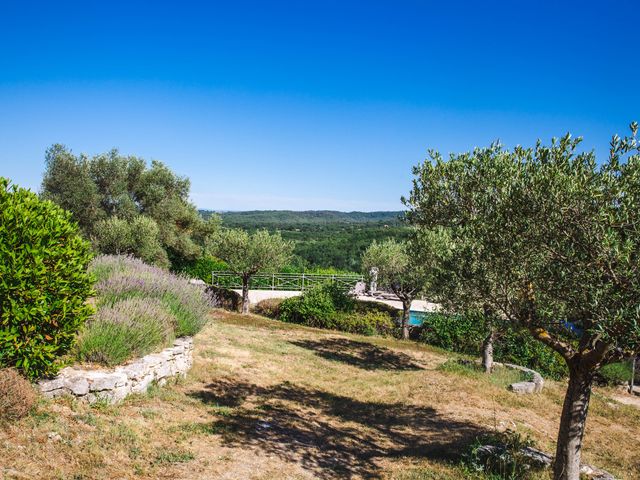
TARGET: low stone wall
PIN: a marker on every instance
(114, 385)
(534, 386)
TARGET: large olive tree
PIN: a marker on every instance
(247, 254)
(111, 185)
(558, 235)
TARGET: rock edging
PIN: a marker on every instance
(114, 385)
(541, 459)
(535, 385)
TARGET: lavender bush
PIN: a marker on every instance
(129, 328)
(140, 308)
(120, 278)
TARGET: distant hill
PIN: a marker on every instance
(287, 218)
(322, 238)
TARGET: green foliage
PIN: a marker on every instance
(44, 283)
(459, 333)
(202, 268)
(505, 458)
(141, 308)
(615, 374)
(138, 237)
(519, 347)
(130, 328)
(111, 185)
(545, 236)
(247, 254)
(325, 239)
(328, 306)
(269, 307)
(314, 308)
(369, 323)
(465, 334)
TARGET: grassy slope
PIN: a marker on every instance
(269, 400)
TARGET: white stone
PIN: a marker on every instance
(114, 385)
(99, 381)
(78, 385)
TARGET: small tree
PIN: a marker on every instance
(559, 239)
(247, 254)
(399, 271)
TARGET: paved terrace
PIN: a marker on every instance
(256, 296)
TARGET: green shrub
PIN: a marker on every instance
(127, 329)
(314, 308)
(224, 298)
(502, 455)
(269, 308)
(370, 323)
(465, 334)
(44, 281)
(139, 237)
(364, 306)
(521, 348)
(327, 306)
(459, 333)
(614, 374)
(203, 267)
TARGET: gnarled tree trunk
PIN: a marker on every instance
(572, 423)
(245, 294)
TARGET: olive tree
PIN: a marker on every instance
(247, 254)
(559, 238)
(399, 271)
(111, 185)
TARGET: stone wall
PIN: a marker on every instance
(115, 384)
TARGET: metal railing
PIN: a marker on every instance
(284, 281)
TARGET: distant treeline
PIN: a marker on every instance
(326, 239)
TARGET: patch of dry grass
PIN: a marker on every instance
(271, 400)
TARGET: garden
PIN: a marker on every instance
(531, 255)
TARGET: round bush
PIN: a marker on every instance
(17, 396)
(269, 307)
(44, 281)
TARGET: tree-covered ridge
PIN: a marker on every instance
(282, 218)
(322, 238)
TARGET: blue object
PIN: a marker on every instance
(416, 318)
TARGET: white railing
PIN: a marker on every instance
(284, 281)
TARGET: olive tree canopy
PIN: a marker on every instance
(247, 254)
(401, 271)
(111, 185)
(558, 235)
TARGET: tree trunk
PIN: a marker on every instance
(245, 295)
(487, 352)
(406, 314)
(572, 423)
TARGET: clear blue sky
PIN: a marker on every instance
(308, 105)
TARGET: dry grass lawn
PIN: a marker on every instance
(266, 400)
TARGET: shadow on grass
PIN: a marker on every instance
(331, 435)
(359, 354)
